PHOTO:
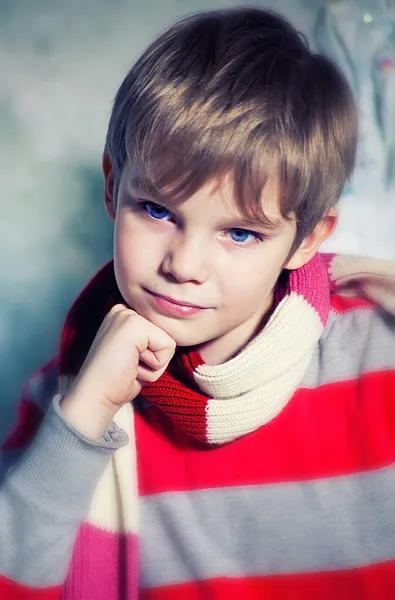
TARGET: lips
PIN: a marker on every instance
(175, 308)
(178, 302)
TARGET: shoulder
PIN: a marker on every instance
(36, 398)
(365, 330)
(358, 321)
(359, 339)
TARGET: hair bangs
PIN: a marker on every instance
(175, 158)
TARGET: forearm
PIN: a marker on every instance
(45, 497)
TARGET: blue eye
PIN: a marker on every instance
(156, 211)
(241, 236)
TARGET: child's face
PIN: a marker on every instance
(200, 253)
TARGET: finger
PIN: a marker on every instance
(164, 355)
(145, 374)
(158, 339)
(158, 359)
(150, 359)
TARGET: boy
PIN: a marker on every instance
(256, 459)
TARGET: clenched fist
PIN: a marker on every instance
(127, 351)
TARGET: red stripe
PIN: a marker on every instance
(29, 420)
(333, 430)
(370, 583)
(344, 304)
(10, 590)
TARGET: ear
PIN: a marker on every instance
(108, 186)
(311, 243)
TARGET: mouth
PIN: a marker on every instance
(175, 307)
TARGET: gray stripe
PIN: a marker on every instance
(260, 530)
(353, 343)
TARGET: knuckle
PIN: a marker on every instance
(117, 308)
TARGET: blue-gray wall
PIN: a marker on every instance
(60, 65)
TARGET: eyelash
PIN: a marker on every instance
(143, 206)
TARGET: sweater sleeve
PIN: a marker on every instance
(48, 473)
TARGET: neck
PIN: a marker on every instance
(220, 350)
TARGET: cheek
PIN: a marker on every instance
(249, 284)
(137, 260)
(131, 247)
(243, 296)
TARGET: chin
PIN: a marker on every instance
(183, 339)
(182, 332)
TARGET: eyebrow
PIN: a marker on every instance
(140, 186)
(245, 222)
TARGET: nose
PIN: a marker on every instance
(186, 259)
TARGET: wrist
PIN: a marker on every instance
(89, 417)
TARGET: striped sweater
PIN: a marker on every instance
(271, 476)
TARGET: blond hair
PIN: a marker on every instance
(238, 92)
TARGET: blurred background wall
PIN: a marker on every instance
(60, 65)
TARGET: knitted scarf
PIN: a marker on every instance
(218, 404)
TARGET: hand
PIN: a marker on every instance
(127, 351)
